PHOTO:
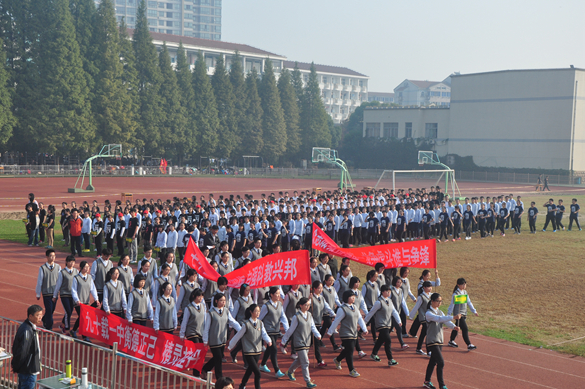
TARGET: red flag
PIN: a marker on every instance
(195, 259)
(421, 254)
(141, 342)
(288, 268)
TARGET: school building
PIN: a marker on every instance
(510, 118)
(342, 89)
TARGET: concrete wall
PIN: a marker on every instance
(519, 119)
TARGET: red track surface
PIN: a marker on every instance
(495, 364)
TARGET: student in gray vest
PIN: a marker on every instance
(324, 267)
(187, 288)
(381, 316)
(381, 280)
(194, 320)
(63, 287)
(174, 269)
(421, 308)
(272, 315)
(46, 282)
(301, 327)
(114, 295)
(239, 313)
(81, 290)
(99, 268)
(348, 316)
(370, 293)
(209, 287)
(250, 336)
(406, 293)
(342, 283)
(454, 309)
(354, 285)
(165, 310)
(290, 302)
(165, 276)
(145, 272)
(426, 276)
(139, 305)
(315, 275)
(320, 310)
(215, 331)
(332, 299)
(153, 269)
(435, 319)
(400, 305)
(126, 274)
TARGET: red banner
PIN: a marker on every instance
(195, 259)
(288, 268)
(141, 342)
(420, 253)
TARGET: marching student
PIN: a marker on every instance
(397, 296)
(272, 314)
(81, 289)
(574, 215)
(165, 310)
(330, 296)
(532, 215)
(370, 293)
(460, 309)
(435, 319)
(126, 274)
(114, 296)
(238, 312)
(187, 287)
(518, 212)
(194, 320)
(158, 282)
(468, 220)
(406, 292)
(217, 320)
(139, 304)
(99, 269)
(46, 283)
(426, 276)
(250, 336)
(559, 215)
(381, 316)
(320, 309)
(348, 316)
(420, 307)
(482, 217)
(63, 287)
(315, 276)
(323, 266)
(551, 209)
(491, 219)
(291, 299)
(444, 219)
(301, 327)
(456, 222)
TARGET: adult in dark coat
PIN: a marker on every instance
(26, 355)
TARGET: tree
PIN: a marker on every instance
(62, 120)
(84, 14)
(290, 108)
(314, 118)
(175, 123)
(250, 130)
(149, 79)
(7, 120)
(224, 97)
(273, 119)
(188, 144)
(112, 102)
(204, 110)
(297, 82)
(240, 102)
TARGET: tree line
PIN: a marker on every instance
(72, 80)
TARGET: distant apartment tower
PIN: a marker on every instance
(342, 89)
(192, 18)
(423, 93)
(382, 97)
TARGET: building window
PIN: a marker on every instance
(152, 22)
(431, 130)
(408, 130)
(361, 83)
(161, 14)
(169, 24)
(373, 130)
(324, 80)
(152, 13)
(169, 5)
(445, 94)
(169, 14)
(161, 22)
(152, 4)
(120, 10)
(161, 5)
(343, 81)
(188, 25)
(391, 130)
(435, 94)
(188, 7)
(121, 2)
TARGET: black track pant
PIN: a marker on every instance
(347, 352)
(252, 361)
(271, 352)
(461, 323)
(575, 219)
(532, 224)
(215, 361)
(443, 232)
(552, 219)
(435, 360)
(422, 336)
(383, 339)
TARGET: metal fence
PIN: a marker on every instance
(73, 170)
(107, 368)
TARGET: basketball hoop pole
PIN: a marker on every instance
(106, 151)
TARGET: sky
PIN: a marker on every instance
(393, 40)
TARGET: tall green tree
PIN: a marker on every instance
(84, 19)
(7, 120)
(250, 131)
(224, 97)
(205, 110)
(188, 144)
(149, 79)
(63, 119)
(175, 123)
(240, 102)
(273, 117)
(297, 82)
(290, 108)
(112, 103)
(314, 118)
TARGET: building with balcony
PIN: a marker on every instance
(382, 97)
(192, 18)
(422, 93)
(512, 118)
(342, 89)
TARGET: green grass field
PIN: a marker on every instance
(526, 288)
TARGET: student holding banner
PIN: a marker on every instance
(459, 303)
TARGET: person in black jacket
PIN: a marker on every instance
(26, 356)
(212, 241)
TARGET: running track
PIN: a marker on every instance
(495, 364)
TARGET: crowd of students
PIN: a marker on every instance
(165, 293)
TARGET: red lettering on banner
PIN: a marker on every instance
(421, 254)
(141, 342)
